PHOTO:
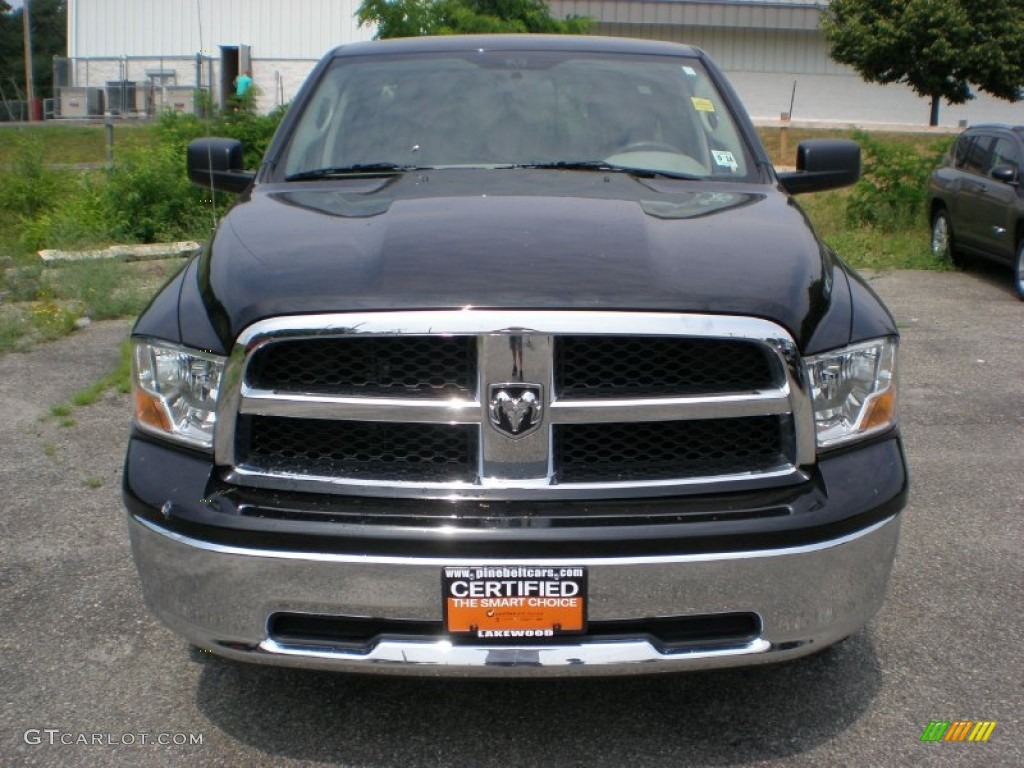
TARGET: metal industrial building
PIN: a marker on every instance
(141, 56)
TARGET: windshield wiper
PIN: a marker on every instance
(351, 170)
(603, 165)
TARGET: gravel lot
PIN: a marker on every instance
(81, 654)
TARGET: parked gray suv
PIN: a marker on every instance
(975, 199)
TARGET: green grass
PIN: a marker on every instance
(43, 304)
(119, 379)
(109, 289)
(74, 144)
(771, 137)
(864, 247)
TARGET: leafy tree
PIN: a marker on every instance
(10, 39)
(413, 18)
(49, 39)
(937, 47)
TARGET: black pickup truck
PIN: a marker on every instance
(515, 357)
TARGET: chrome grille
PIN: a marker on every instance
(631, 404)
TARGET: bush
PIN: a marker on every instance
(149, 198)
(892, 189)
(28, 185)
(146, 197)
(81, 220)
(254, 131)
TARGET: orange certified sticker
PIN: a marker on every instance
(514, 602)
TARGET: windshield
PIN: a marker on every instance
(525, 108)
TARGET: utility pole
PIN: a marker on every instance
(29, 82)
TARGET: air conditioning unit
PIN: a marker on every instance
(120, 96)
(176, 98)
(80, 101)
(144, 98)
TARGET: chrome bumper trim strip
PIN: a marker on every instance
(331, 557)
(444, 654)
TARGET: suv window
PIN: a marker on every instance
(963, 144)
(1005, 153)
(979, 157)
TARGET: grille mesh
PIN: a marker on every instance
(624, 366)
(431, 366)
(666, 450)
(360, 449)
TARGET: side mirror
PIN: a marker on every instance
(823, 164)
(1004, 173)
(218, 163)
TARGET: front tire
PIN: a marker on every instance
(943, 244)
(1018, 270)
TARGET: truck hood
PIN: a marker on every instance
(523, 239)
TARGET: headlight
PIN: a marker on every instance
(175, 391)
(854, 391)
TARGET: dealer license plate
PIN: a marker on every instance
(512, 602)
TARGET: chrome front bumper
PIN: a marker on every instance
(221, 599)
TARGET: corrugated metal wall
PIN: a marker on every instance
(788, 14)
(787, 51)
(740, 35)
(748, 35)
(296, 29)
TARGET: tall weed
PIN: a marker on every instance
(148, 198)
(82, 220)
(892, 189)
(29, 186)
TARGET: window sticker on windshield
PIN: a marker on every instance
(690, 71)
(702, 105)
(725, 159)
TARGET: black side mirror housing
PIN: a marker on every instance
(1004, 173)
(218, 163)
(823, 164)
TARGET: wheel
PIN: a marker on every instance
(943, 245)
(1018, 270)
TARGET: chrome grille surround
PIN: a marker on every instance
(518, 346)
